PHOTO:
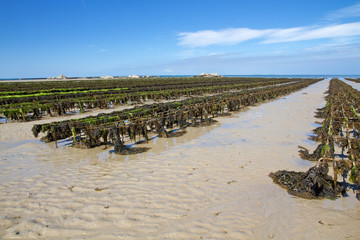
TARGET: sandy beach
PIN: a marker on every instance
(211, 183)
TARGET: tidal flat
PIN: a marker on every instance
(210, 183)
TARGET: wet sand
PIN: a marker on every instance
(211, 183)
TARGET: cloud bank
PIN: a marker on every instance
(232, 36)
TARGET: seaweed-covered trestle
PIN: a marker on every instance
(340, 128)
(33, 100)
(140, 122)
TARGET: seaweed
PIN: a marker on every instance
(315, 183)
(322, 150)
(339, 127)
(158, 118)
(58, 98)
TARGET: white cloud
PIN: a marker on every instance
(234, 36)
(333, 60)
(351, 11)
(338, 52)
(226, 36)
(311, 33)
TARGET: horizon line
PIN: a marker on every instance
(174, 75)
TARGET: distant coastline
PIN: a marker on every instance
(167, 76)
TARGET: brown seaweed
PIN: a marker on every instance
(315, 183)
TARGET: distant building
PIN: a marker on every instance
(61, 76)
(134, 76)
(208, 75)
(107, 77)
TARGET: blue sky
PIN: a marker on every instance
(43, 38)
